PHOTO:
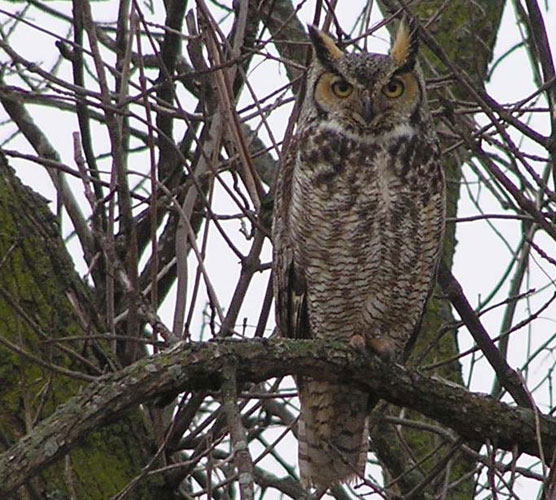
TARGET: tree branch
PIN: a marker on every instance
(507, 376)
(194, 366)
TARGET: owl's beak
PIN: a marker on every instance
(367, 108)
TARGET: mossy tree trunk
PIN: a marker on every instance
(50, 346)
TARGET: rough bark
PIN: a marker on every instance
(49, 346)
(201, 366)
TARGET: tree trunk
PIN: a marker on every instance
(51, 345)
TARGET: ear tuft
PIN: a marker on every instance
(325, 48)
(405, 46)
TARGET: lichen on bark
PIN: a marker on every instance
(37, 279)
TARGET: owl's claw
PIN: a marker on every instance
(358, 343)
(383, 348)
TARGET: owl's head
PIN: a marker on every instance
(368, 93)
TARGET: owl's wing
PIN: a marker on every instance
(408, 348)
(288, 281)
(437, 207)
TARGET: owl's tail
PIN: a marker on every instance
(333, 434)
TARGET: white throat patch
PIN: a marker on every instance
(401, 130)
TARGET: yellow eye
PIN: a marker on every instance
(341, 88)
(394, 88)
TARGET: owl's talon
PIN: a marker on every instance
(358, 343)
(383, 348)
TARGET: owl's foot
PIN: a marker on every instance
(383, 348)
(359, 343)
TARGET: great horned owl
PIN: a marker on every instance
(358, 221)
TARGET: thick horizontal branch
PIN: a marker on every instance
(188, 366)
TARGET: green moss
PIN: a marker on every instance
(103, 460)
(36, 279)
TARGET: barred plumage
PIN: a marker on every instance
(358, 221)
